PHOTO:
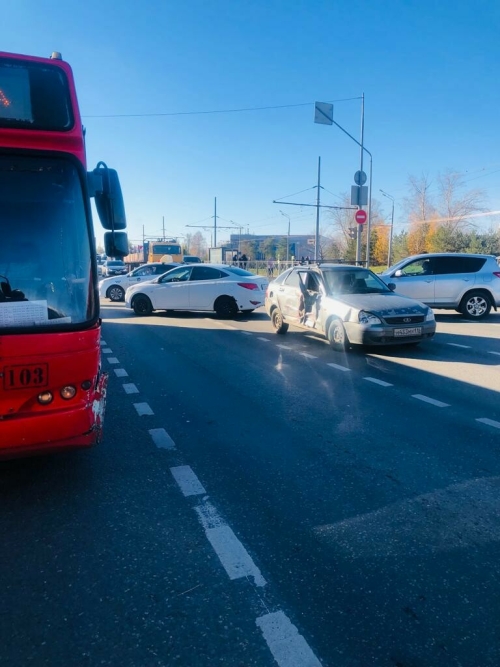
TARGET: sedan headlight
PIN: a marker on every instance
(430, 316)
(368, 318)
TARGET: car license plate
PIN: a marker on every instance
(25, 377)
(409, 331)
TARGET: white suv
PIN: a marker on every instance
(469, 284)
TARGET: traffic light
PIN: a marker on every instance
(352, 232)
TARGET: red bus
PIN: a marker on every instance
(52, 388)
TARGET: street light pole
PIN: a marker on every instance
(287, 237)
(389, 254)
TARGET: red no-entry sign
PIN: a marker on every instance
(360, 217)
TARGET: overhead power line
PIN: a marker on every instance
(212, 111)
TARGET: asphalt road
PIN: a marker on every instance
(262, 500)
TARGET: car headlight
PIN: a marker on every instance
(368, 318)
(430, 316)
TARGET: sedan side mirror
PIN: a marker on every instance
(391, 286)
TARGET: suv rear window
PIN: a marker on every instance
(446, 265)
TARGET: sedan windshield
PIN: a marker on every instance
(45, 260)
(353, 281)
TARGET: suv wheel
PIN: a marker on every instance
(475, 305)
(280, 327)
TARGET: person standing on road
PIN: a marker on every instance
(270, 267)
(243, 261)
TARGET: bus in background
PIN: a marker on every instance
(52, 388)
(164, 251)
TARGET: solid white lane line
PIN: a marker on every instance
(232, 554)
(161, 438)
(121, 373)
(107, 350)
(285, 347)
(112, 360)
(289, 649)
(266, 340)
(143, 409)
(130, 388)
(466, 347)
(187, 481)
(432, 401)
(495, 353)
(247, 333)
(339, 367)
(382, 383)
(103, 342)
(307, 356)
(489, 422)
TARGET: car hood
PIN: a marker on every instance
(386, 305)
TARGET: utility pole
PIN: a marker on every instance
(359, 235)
(389, 254)
(318, 205)
(163, 227)
(215, 222)
(287, 236)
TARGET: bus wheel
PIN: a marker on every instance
(142, 305)
(116, 293)
(225, 307)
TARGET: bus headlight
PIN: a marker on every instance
(68, 392)
(45, 397)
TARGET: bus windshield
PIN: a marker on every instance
(45, 256)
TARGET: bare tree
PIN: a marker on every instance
(456, 205)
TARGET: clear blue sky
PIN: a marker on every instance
(429, 72)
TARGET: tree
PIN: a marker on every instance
(198, 245)
(380, 249)
(400, 246)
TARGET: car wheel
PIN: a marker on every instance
(115, 293)
(225, 307)
(337, 336)
(142, 305)
(280, 327)
(475, 305)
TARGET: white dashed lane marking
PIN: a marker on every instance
(112, 360)
(432, 401)
(103, 342)
(143, 409)
(266, 340)
(187, 481)
(161, 438)
(130, 388)
(289, 649)
(495, 353)
(247, 333)
(307, 356)
(339, 367)
(107, 350)
(489, 422)
(121, 373)
(284, 347)
(382, 383)
(232, 554)
(465, 347)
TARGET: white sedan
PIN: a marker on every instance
(114, 288)
(215, 287)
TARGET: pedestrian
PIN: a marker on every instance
(243, 261)
(270, 267)
(235, 259)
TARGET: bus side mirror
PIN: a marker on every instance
(116, 244)
(104, 186)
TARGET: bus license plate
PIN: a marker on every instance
(26, 377)
(410, 331)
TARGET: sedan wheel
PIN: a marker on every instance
(279, 325)
(476, 305)
(142, 305)
(225, 307)
(116, 293)
(337, 336)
